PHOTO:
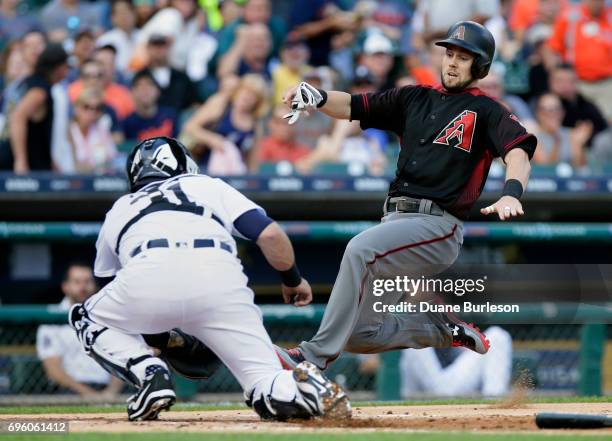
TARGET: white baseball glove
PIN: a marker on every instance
(306, 98)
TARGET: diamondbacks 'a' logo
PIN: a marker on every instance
(459, 132)
(459, 33)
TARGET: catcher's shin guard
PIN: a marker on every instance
(123, 355)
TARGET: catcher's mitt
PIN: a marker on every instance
(184, 353)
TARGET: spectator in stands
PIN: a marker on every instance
(32, 45)
(13, 71)
(116, 96)
(12, 68)
(84, 45)
(92, 77)
(557, 143)
(124, 35)
(528, 16)
(254, 12)
(489, 375)
(201, 51)
(91, 140)
(62, 354)
(280, 144)
(493, 86)
(377, 58)
(294, 58)
(148, 120)
(426, 68)
(107, 56)
(563, 83)
(538, 71)
(144, 10)
(250, 53)
(177, 91)
(61, 19)
(180, 23)
(392, 17)
(348, 144)
(310, 129)
(582, 36)
(13, 24)
(31, 122)
(229, 123)
(601, 151)
(231, 10)
(316, 22)
(434, 17)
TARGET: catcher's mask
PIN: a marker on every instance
(157, 159)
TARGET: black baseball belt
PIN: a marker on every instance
(165, 243)
(405, 204)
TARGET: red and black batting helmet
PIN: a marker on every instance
(474, 38)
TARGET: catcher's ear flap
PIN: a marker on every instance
(178, 153)
(192, 167)
(132, 167)
(186, 162)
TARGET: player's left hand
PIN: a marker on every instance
(506, 207)
(300, 295)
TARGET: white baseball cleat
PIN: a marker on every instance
(324, 397)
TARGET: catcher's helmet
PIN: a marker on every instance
(475, 38)
(158, 158)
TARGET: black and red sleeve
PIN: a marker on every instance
(382, 110)
(505, 132)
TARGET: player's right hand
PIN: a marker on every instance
(300, 295)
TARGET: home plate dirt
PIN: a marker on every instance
(487, 417)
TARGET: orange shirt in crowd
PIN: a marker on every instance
(116, 96)
(273, 150)
(584, 41)
(523, 14)
(424, 75)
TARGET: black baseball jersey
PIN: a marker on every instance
(448, 140)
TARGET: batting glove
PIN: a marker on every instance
(306, 97)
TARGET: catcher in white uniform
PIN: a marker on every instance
(169, 246)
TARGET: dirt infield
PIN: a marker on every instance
(496, 418)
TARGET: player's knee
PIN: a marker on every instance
(362, 340)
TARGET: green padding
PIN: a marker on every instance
(127, 145)
(388, 377)
(540, 313)
(340, 231)
(592, 339)
(273, 314)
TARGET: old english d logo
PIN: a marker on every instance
(459, 33)
(459, 132)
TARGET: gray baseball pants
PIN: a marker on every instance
(403, 244)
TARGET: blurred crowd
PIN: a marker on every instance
(81, 82)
